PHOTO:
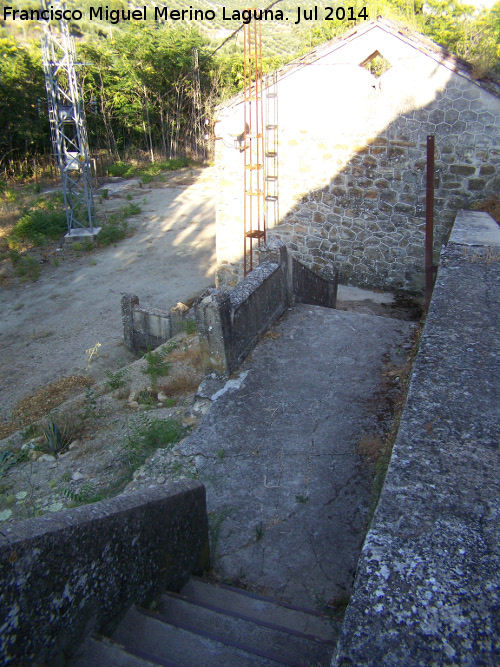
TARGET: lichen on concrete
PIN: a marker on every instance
(66, 574)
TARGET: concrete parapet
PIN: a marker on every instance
(316, 289)
(71, 573)
(427, 588)
(145, 328)
(231, 323)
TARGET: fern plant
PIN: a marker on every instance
(157, 365)
(116, 380)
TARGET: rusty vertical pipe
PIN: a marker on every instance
(429, 221)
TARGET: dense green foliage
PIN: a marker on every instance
(140, 78)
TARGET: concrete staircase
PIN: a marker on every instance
(214, 625)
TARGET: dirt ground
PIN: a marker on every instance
(47, 326)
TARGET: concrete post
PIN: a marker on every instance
(213, 319)
(275, 250)
(129, 301)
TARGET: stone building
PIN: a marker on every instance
(354, 116)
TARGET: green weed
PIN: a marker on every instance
(31, 431)
(129, 210)
(90, 404)
(14, 256)
(121, 169)
(189, 326)
(38, 224)
(149, 435)
(215, 521)
(86, 494)
(112, 233)
(116, 227)
(157, 365)
(259, 532)
(170, 403)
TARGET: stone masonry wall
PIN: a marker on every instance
(370, 219)
(352, 159)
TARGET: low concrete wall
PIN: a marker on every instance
(70, 573)
(145, 329)
(231, 323)
(313, 288)
(427, 589)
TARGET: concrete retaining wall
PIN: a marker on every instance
(145, 329)
(70, 573)
(427, 588)
(231, 323)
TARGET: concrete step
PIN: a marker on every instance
(276, 642)
(259, 608)
(147, 632)
(103, 652)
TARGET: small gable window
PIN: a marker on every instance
(376, 64)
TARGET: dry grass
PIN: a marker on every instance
(490, 205)
(189, 355)
(387, 404)
(187, 369)
(271, 335)
(9, 215)
(371, 448)
(35, 406)
(12, 203)
(186, 382)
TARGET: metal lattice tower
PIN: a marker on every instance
(67, 123)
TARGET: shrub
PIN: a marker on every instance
(121, 169)
(112, 233)
(27, 268)
(40, 223)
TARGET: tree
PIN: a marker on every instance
(24, 127)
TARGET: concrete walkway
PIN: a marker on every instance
(281, 453)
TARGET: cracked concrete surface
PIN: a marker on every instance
(280, 455)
